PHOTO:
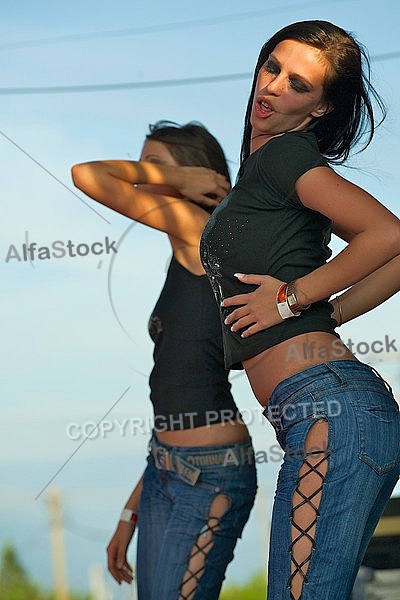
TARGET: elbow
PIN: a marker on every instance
(392, 238)
(396, 237)
(92, 181)
(84, 177)
(76, 172)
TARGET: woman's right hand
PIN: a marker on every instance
(203, 186)
(117, 563)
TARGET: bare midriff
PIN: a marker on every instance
(217, 434)
(267, 369)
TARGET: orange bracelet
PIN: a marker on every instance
(285, 309)
(281, 295)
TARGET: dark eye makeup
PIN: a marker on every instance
(270, 66)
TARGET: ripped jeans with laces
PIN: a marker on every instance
(340, 428)
(194, 505)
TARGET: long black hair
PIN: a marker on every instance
(347, 88)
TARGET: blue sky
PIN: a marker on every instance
(68, 354)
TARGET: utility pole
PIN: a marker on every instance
(57, 546)
(98, 590)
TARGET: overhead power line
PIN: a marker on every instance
(131, 85)
(93, 35)
(385, 56)
(108, 87)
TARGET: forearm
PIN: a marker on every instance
(117, 549)
(368, 293)
(129, 188)
(133, 502)
(155, 195)
(373, 231)
(364, 256)
(134, 172)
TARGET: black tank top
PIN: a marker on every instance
(189, 383)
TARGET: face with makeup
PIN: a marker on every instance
(289, 91)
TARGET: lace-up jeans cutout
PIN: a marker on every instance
(339, 427)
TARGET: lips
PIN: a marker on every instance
(263, 108)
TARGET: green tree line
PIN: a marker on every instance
(253, 589)
(16, 584)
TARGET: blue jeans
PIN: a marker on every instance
(362, 460)
(194, 505)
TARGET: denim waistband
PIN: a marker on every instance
(187, 462)
(346, 373)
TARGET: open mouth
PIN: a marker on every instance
(263, 108)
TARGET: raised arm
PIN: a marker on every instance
(117, 549)
(174, 209)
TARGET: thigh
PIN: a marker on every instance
(154, 515)
(239, 487)
(202, 532)
(363, 467)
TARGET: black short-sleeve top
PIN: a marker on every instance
(262, 227)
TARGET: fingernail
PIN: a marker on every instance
(238, 275)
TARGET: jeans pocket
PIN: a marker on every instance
(379, 434)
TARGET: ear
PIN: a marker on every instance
(322, 110)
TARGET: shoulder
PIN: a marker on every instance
(293, 146)
(287, 157)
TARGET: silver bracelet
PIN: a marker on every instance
(339, 304)
(292, 301)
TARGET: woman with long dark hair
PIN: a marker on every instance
(200, 482)
(266, 251)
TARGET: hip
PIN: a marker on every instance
(223, 465)
(268, 369)
(362, 415)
